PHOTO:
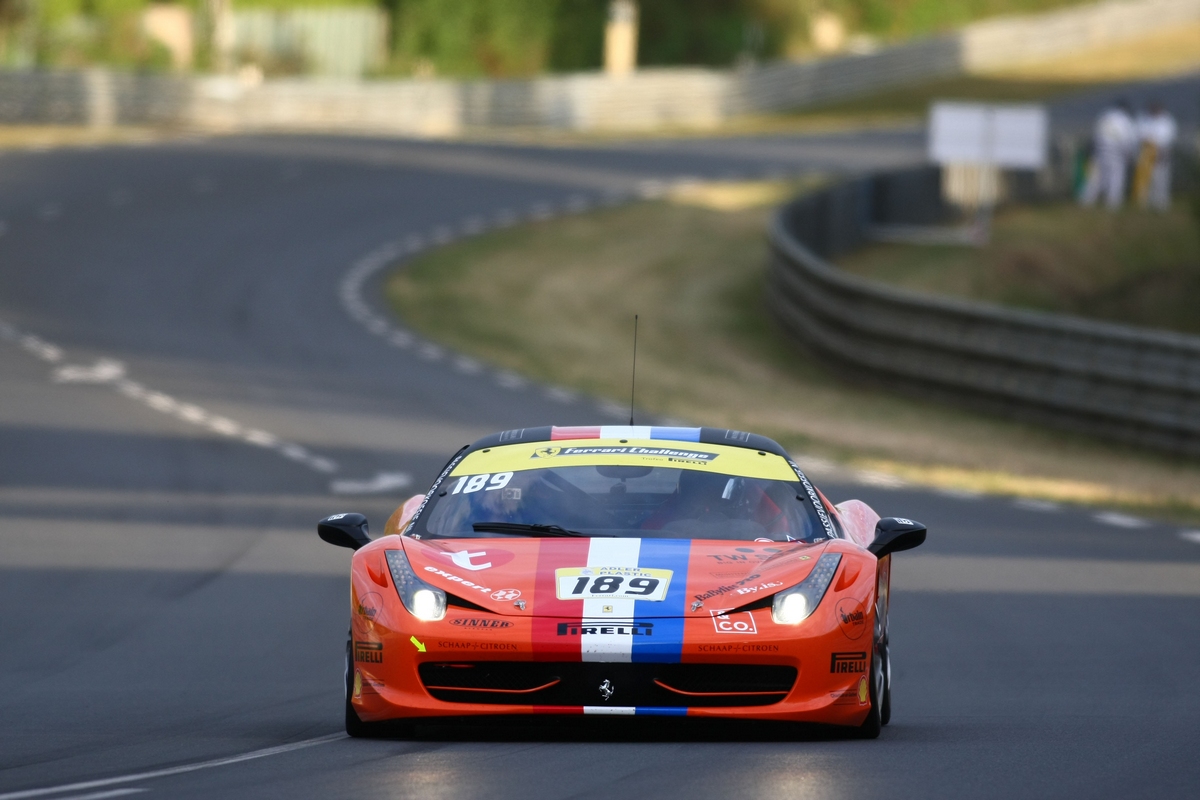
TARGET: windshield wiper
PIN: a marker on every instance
(523, 529)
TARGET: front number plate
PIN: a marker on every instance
(612, 583)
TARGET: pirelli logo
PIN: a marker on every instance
(368, 652)
(852, 663)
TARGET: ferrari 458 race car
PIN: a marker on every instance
(621, 570)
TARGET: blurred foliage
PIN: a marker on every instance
(900, 18)
(509, 38)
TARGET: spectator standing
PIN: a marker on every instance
(1115, 139)
(1156, 132)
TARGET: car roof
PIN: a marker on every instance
(552, 433)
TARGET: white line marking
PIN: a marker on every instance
(880, 479)
(180, 770)
(107, 371)
(1120, 520)
(1031, 504)
(1191, 536)
(959, 494)
(560, 395)
(611, 409)
(814, 464)
(430, 352)
(381, 483)
(102, 795)
(468, 366)
(510, 381)
(443, 235)
(50, 212)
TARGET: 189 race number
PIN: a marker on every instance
(612, 583)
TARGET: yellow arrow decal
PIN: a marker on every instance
(417, 644)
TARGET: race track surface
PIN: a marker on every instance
(189, 380)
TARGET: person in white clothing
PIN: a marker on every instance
(1115, 139)
(1157, 131)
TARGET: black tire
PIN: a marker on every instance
(874, 722)
(885, 705)
(358, 729)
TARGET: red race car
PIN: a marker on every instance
(621, 570)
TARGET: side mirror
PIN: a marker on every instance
(893, 534)
(344, 530)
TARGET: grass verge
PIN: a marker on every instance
(1133, 266)
(555, 301)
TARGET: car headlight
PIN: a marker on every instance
(794, 605)
(423, 601)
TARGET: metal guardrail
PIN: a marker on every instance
(1120, 382)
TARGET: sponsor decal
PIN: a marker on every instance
(477, 646)
(507, 594)
(720, 590)
(864, 693)
(690, 456)
(742, 622)
(745, 555)
(368, 652)
(369, 605)
(849, 697)
(451, 577)
(611, 583)
(851, 618)
(738, 647)
(605, 628)
(480, 623)
(854, 663)
(818, 506)
(480, 559)
(412, 523)
(357, 684)
(762, 587)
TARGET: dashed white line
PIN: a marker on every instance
(509, 380)
(611, 409)
(1032, 504)
(103, 795)
(110, 372)
(443, 235)
(50, 212)
(560, 395)
(468, 366)
(1120, 520)
(382, 482)
(169, 771)
(959, 494)
(430, 352)
(1191, 536)
(881, 480)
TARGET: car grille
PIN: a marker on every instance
(540, 683)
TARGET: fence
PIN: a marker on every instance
(1120, 382)
(690, 97)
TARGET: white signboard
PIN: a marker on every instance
(1009, 136)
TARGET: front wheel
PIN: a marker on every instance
(876, 690)
(355, 727)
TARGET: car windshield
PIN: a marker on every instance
(624, 501)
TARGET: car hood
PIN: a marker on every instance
(536, 576)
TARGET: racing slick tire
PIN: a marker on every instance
(875, 687)
(885, 705)
(358, 729)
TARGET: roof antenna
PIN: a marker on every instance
(633, 380)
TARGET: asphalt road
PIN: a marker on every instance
(193, 370)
